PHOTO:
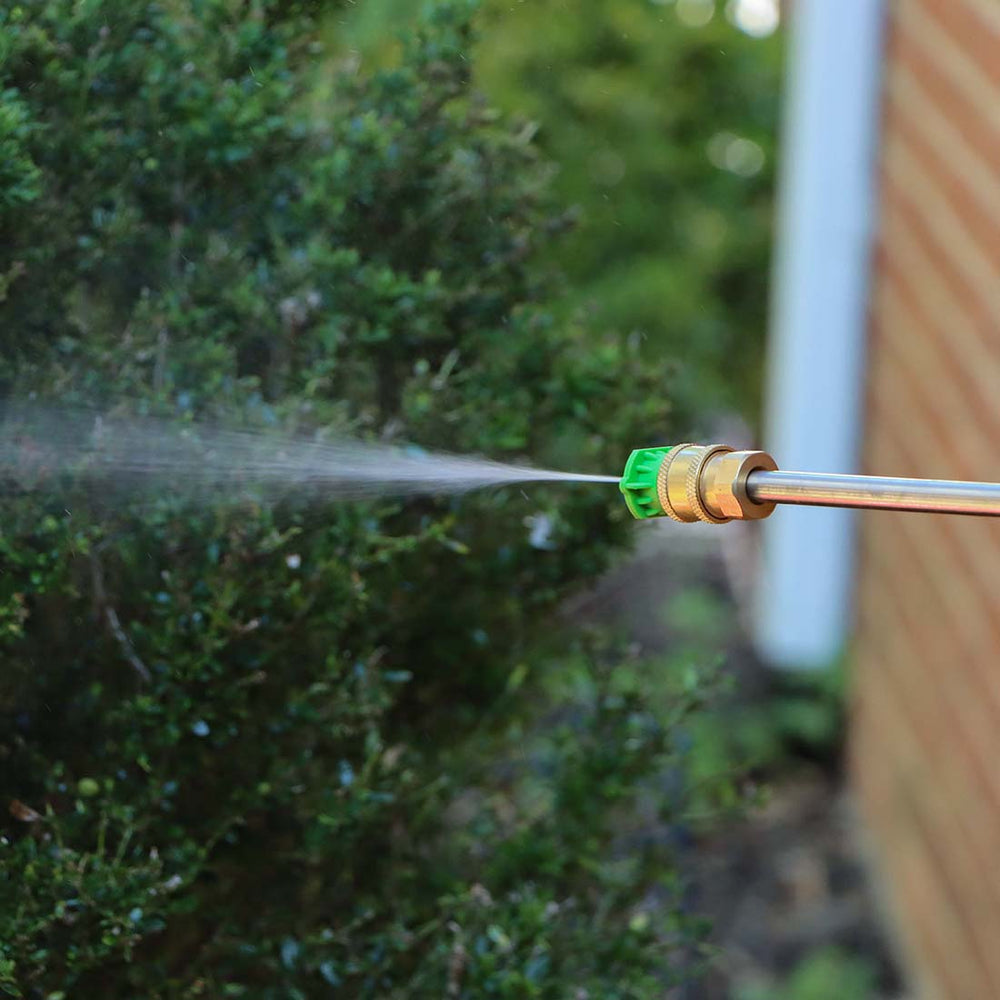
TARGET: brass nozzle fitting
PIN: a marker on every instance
(695, 483)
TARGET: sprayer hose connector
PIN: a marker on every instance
(708, 483)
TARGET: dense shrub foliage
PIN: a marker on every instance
(663, 118)
(288, 750)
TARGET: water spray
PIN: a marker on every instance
(715, 483)
(686, 482)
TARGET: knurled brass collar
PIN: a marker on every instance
(678, 483)
(693, 486)
(662, 482)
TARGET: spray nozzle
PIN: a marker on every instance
(689, 482)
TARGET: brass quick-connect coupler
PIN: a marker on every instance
(690, 482)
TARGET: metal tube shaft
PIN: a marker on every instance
(820, 489)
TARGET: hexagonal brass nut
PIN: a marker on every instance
(724, 484)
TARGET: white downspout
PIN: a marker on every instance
(818, 318)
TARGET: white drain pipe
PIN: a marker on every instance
(818, 317)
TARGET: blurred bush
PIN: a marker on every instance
(261, 751)
(828, 974)
(662, 116)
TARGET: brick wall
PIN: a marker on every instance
(925, 749)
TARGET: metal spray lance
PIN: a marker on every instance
(715, 483)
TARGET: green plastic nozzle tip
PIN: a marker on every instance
(638, 483)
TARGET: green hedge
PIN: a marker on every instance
(295, 750)
(663, 118)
